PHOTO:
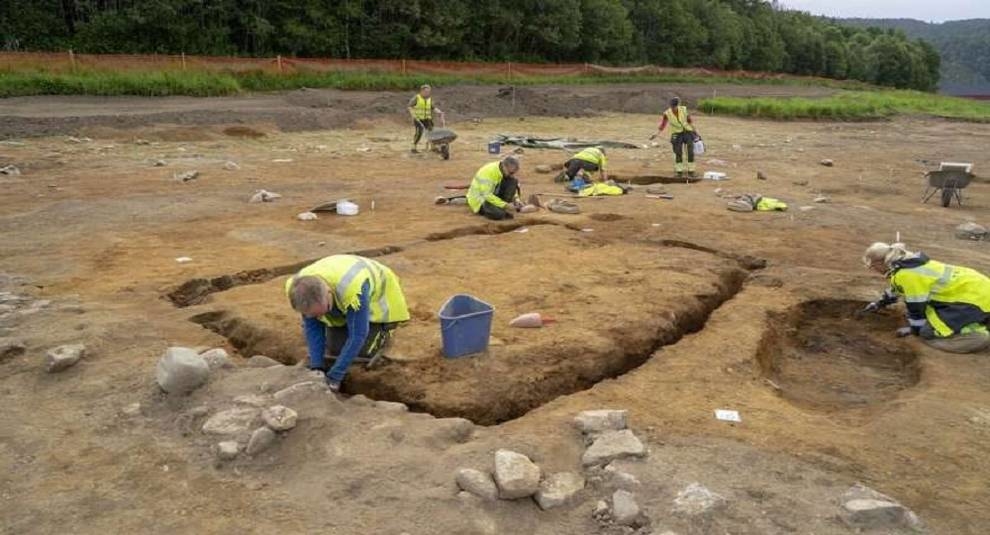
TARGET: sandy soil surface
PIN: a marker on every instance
(668, 308)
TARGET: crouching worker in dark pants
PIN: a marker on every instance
(350, 306)
(494, 189)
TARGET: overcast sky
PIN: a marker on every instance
(929, 10)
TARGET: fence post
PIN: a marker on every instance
(587, 68)
(403, 66)
(508, 70)
(72, 59)
(183, 61)
(278, 60)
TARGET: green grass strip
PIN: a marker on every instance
(850, 106)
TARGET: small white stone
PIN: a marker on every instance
(625, 510)
(231, 166)
(63, 357)
(307, 216)
(280, 417)
(601, 420)
(231, 421)
(516, 475)
(228, 450)
(261, 439)
(477, 482)
(696, 499)
(134, 409)
(559, 489)
(10, 170)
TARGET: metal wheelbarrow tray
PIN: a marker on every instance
(950, 182)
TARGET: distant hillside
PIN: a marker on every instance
(963, 44)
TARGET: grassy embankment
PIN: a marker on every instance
(851, 105)
(209, 83)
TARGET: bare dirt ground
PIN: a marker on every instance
(668, 308)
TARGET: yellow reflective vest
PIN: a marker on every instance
(679, 121)
(345, 275)
(483, 187)
(423, 109)
(950, 298)
(592, 155)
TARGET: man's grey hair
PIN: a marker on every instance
(307, 291)
(510, 162)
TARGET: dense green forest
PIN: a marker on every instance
(725, 34)
(963, 44)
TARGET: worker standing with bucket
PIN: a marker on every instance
(682, 133)
(421, 108)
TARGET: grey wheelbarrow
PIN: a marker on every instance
(949, 183)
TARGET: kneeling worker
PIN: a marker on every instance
(947, 306)
(493, 188)
(591, 159)
(349, 305)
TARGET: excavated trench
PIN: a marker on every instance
(823, 355)
(196, 291)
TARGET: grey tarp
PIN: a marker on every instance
(559, 143)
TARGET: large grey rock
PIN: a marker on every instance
(280, 417)
(696, 499)
(228, 450)
(971, 231)
(625, 510)
(601, 420)
(299, 392)
(261, 439)
(865, 508)
(63, 357)
(478, 483)
(515, 475)
(261, 361)
(612, 445)
(181, 371)
(216, 358)
(559, 489)
(232, 421)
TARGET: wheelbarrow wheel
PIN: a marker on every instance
(445, 151)
(947, 196)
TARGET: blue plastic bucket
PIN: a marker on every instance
(465, 325)
(494, 147)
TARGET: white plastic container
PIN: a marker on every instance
(699, 147)
(347, 208)
(715, 175)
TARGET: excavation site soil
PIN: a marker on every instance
(669, 308)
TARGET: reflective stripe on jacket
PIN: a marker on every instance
(345, 274)
(947, 297)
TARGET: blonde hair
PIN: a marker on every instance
(888, 253)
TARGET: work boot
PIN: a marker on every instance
(680, 174)
(414, 150)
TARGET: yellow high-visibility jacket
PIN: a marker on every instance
(593, 155)
(424, 108)
(950, 298)
(483, 187)
(345, 275)
(679, 121)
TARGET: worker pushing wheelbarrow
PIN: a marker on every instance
(421, 109)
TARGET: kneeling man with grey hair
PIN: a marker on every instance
(947, 306)
(349, 305)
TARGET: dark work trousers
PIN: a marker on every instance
(506, 191)
(378, 334)
(574, 165)
(679, 141)
(420, 125)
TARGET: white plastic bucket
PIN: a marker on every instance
(714, 175)
(699, 147)
(347, 208)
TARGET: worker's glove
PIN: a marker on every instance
(904, 331)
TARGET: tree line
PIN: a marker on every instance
(725, 34)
